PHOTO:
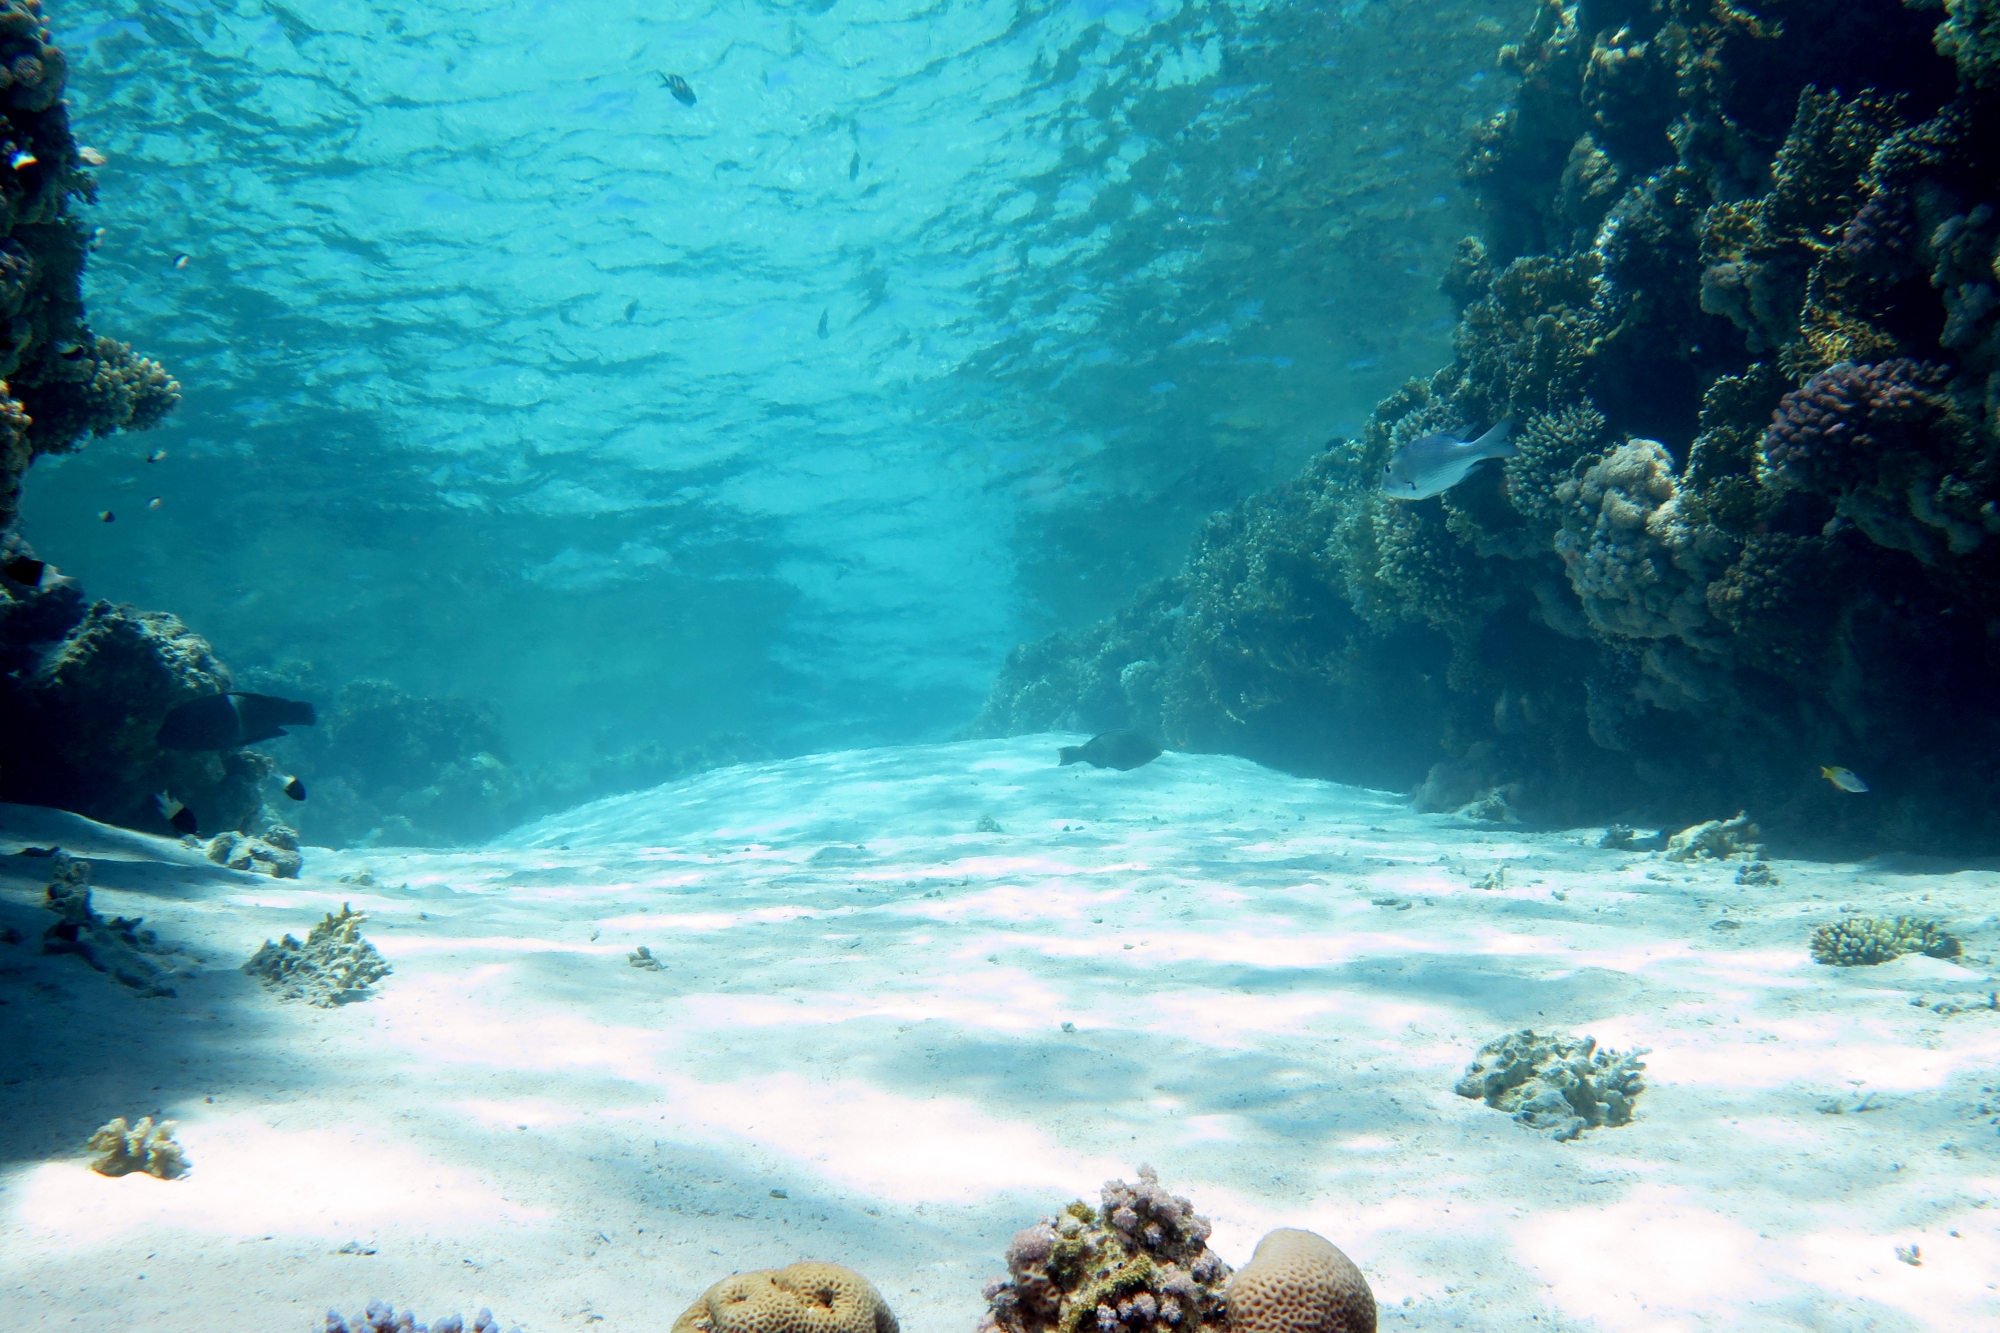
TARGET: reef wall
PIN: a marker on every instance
(1739, 290)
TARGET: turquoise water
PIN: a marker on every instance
(927, 329)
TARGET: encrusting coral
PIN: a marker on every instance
(334, 965)
(145, 1147)
(1554, 1082)
(1738, 292)
(1138, 1264)
(799, 1298)
(1863, 941)
(1299, 1282)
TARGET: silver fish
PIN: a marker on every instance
(1437, 462)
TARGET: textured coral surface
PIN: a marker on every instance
(146, 1147)
(1299, 1282)
(334, 966)
(1863, 941)
(1555, 1082)
(799, 1298)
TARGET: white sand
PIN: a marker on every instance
(863, 1007)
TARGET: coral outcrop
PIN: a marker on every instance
(1716, 840)
(1863, 941)
(1299, 1282)
(145, 1147)
(1738, 291)
(1138, 1264)
(334, 966)
(60, 383)
(275, 853)
(1555, 1082)
(799, 1298)
(83, 689)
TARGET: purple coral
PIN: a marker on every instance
(1147, 1217)
(1829, 433)
(1881, 234)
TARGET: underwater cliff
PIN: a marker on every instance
(1736, 288)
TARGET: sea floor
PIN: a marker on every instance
(881, 1036)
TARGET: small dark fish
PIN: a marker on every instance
(177, 814)
(181, 261)
(156, 455)
(678, 86)
(106, 516)
(225, 721)
(295, 789)
(71, 352)
(1122, 750)
(854, 167)
(38, 575)
(824, 332)
(155, 502)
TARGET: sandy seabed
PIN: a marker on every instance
(883, 1037)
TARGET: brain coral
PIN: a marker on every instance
(1297, 1282)
(1140, 1265)
(801, 1298)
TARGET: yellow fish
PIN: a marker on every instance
(1844, 778)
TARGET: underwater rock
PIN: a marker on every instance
(334, 966)
(1716, 840)
(145, 1147)
(275, 853)
(1299, 1282)
(645, 960)
(1559, 1083)
(1140, 1264)
(1863, 941)
(382, 1317)
(799, 1298)
(116, 947)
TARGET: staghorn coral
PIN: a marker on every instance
(145, 1147)
(800, 1298)
(1863, 941)
(382, 1317)
(1140, 1264)
(1559, 1083)
(1299, 1282)
(334, 966)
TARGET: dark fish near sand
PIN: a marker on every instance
(1434, 463)
(36, 574)
(678, 86)
(177, 814)
(224, 721)
(1122, 750)
(295, 789)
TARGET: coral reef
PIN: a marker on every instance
(1716, 840)
(60, 383)
(1863, 941)
(334, 965)
(83, 687)
(116, 947)
(1138, 1264)
(1299, 1282)
(143, 1147)
(799, 1298)
(274, 853)
(382, 1317)
(1737, 289)
(1558, 1083)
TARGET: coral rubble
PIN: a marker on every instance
(1863, 941)
(1554, 1082)
(1138, 1264)
(799, 1298)
(1738, 291)
(275, 852)
(383, 1317)
(1716, 840)
(334, 965)
(1299, 1282)
(117, 947)
(146, 1147)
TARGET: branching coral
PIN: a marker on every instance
(145, 1147)
(1863, 941)
(334, 965)
(1557, 1083)
(382, 1317)
(1141, 1264)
